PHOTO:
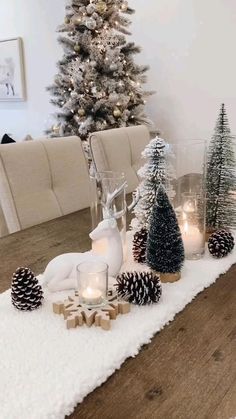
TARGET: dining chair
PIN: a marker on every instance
(3, 225)
(119, 150)
(42, 180)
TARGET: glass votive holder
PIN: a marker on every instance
(92, 283)
(192, 225)
(102, 184)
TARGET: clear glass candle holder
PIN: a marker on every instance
(192, 225)
(187, 161)
(92, 283)
(102, 184)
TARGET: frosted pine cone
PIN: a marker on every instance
(26, 293)
(221, 243)
(139, 288)
(140, 246)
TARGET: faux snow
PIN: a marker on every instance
(46, 370)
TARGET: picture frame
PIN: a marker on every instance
(12, 75)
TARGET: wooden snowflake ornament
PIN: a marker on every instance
(76, 315)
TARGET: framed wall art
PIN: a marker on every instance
(12, 77)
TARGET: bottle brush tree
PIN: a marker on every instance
(98, 85)
(157, 171)
(221, 177)
(165, 249)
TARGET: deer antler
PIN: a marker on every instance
(108, 211)
(136, 198)
(107, 206)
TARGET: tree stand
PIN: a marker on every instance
(168, 277)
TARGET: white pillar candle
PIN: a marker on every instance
(192, 238)
(91, 296)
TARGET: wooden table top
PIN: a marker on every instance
(188, 371)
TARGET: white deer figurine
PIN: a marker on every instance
(60, 274)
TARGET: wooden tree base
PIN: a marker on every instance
(76, 315)
(169, 277)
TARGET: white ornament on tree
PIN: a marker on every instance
(90, 23)
(77, 19)
(90, 8)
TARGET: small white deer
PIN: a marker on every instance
(60, 273)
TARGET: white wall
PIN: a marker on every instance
(189, 45)
(35, 21)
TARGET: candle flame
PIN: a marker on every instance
(185, 227)
(189, 206)
(89, 291)
(185, 223)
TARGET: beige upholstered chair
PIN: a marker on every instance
(3, 225)
(42, 180)
(120, 150)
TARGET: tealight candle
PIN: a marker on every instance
(189, 207)
(91, 296)
(92, 282)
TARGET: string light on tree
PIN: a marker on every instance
(77, 48)
(81, 112)
(117, 112)
(124, 6)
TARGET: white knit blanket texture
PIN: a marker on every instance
(46, 370)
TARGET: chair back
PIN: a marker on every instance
(42, 180)
(119, 150)
(3, 225)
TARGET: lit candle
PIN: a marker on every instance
(92, 296)
(189, 207)
(192, 237)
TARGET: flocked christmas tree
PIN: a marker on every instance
(165, 249)
(157, 171)
(221, 177)
(98, 85)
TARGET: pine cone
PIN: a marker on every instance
(140, 246)
(26, 293)
(139, 288)
(221, 243)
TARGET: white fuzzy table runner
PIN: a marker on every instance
(46, 370)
